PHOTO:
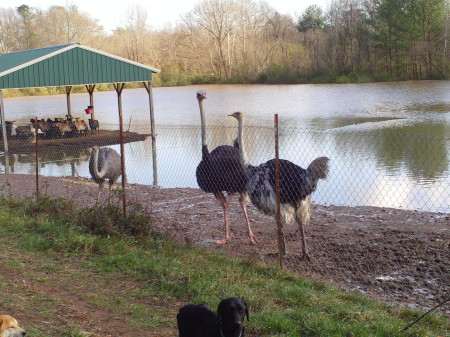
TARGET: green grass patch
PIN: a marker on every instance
(282, 304)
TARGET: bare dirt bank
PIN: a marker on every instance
(394, 255)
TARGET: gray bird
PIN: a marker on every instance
(296, 186)
(105, 164)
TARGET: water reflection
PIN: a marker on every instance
(49, 160)
(425, 157)
(388, 142)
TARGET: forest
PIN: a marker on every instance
(247, 41)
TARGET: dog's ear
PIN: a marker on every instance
(220, 310)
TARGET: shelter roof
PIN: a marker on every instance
(67, 65)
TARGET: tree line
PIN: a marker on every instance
(247, 41)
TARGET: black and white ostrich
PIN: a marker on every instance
(222, 171)
(296, 186)
(104, 164)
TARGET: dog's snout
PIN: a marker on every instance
(24, 333)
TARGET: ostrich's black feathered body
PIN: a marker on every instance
(221, 171)
(296, 185)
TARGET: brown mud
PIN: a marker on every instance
(396, 256)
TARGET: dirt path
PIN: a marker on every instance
(70, 295)
(393, 255)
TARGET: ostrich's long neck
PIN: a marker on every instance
(202, 122)
(242, 152)
(205, 152)
(98, 174)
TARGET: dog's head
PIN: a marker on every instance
(231, 313)
(10, 328)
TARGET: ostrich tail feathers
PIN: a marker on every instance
(318, 169)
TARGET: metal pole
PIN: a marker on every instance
(277, 192)
(2, 117)
(36, 147)
(119, 88)
(149, 88)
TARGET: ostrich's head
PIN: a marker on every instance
(201, 95)
(238, 115)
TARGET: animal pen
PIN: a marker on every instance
(379, 224)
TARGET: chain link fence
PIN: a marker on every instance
(382, 168)
(371, 230)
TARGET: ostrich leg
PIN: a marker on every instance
(223, 201)
(302, 216)
(305, 255)
(100, 186)
(242, 201)
(109, 195)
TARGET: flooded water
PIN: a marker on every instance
(389, 143)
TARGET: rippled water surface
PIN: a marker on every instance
(388, 143)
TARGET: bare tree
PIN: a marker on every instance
(215, 20)
(60, 25)
(10, 24)
(135, 34)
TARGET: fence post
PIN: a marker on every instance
(3, 121)
(119, 88)
(36, 148)
(277, 192)
(148, 87)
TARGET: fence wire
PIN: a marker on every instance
(384, 170)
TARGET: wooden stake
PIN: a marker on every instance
(119, 88)
(36, 147)
(277, 191)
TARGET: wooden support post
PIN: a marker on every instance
(2, 117)
(90, 88)
(119, 88)
(69, 107)
(148, 87)
(281, 248)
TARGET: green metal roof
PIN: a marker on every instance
(67, 65)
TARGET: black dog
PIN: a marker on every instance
(196, 320)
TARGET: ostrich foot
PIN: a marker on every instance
(305, 257)
(223, 241)
(253, 239)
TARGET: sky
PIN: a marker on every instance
(111, 14)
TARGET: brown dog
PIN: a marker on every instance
(10, 328)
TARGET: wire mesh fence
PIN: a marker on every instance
(373, 249)
(382, 168)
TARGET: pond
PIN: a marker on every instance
(388, 143)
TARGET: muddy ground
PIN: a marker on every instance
(394, 255)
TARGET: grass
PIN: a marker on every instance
(167, 275)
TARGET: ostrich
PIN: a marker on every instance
(221, 171)
(104, 164)
(296, 186)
